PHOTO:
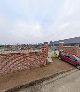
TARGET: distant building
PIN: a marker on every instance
(71, 41)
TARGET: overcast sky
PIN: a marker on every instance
(35, 21)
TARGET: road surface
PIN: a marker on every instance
(70, 83)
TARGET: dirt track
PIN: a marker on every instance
(17, 78)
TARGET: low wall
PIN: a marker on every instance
(74, 50)
(70, 50)
(10, 62)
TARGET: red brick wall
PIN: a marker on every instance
(74, 50)
(10, 62)
(70, 50)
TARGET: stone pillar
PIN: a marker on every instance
(77, 52)
(44, 50)
(61, 45)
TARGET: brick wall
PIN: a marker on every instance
(10, 62)
(74, 50)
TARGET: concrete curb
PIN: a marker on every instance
(37, 82)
